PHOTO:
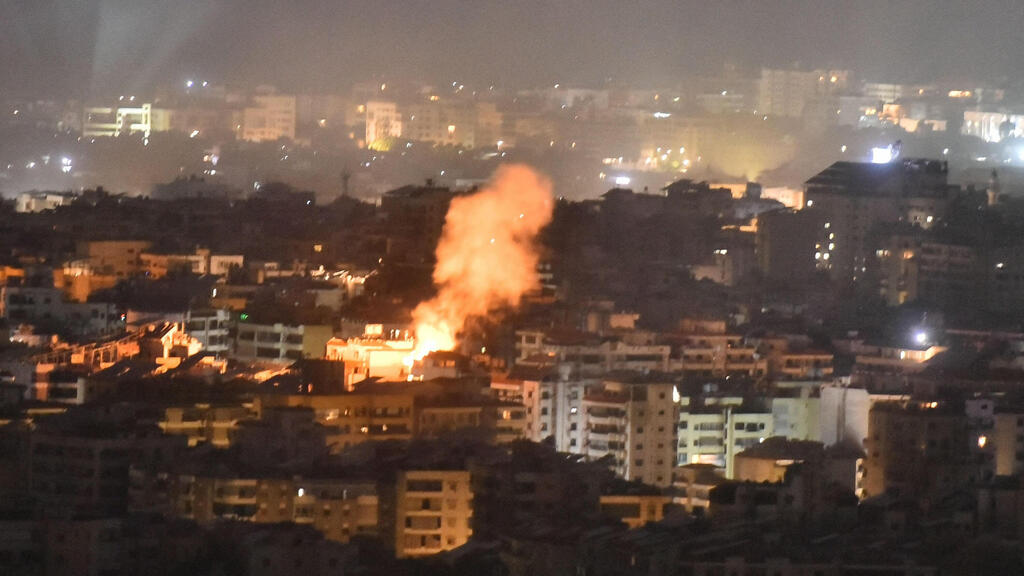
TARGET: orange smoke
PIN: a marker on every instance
(486, 258)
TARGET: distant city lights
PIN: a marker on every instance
(882, 155)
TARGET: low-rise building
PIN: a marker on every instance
(350, 419)
(635, 509)
(280, 343)
(693, 484)
(204, 423)
(591, 354)
(212, 328)
(502, 422)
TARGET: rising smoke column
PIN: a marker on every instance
(487, 255)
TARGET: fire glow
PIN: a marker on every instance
(487, 256)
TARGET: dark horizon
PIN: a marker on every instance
(57, 49)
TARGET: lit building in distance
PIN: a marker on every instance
(854, 197)
(788, 93)
(383, 122)
(992, 126)
(271, 117)
(111, 122)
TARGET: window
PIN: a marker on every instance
(639, 429)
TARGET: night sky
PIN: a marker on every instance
(73, 47)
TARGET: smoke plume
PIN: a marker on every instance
(487, 257)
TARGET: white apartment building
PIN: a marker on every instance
(633, 423)
(844, 413)
(106, 121)
(796, 412)
(992, 126)
(212, 328)
(383, 121)
(437, 121)
(41, 201)
(31, 304)
(714, 431)
(553, 400)
(271, 117)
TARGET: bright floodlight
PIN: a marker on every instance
(622, 181)
(920, 337)
(881, 155)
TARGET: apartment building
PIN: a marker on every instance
(84, 467)
(590, 354)
(280, 343)
(271, 117)
(433, 511)
(350, 419)
(338, 508)
(498, 421)
(120, 258)
(553, 410)
(714, 353)
(212, 328)
(632, 421)
(919, 449)
(373, 356)
(30, 304)
(712, 430)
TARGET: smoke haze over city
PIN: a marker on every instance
(518, 288)
(50, 47)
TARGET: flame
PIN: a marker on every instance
(487, 256)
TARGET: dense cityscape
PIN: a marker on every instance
(765, 318)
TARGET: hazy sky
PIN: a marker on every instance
(56, 46)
